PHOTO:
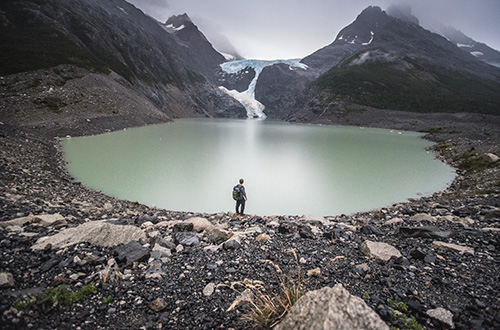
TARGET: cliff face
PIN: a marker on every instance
(52, 50)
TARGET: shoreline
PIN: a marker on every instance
(35, 182)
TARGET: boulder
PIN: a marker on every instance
(379, 250)
(331, 308)
(100, 233)
(200, 224)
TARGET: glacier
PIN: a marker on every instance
(254, 108)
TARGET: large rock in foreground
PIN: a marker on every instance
(331, 308)
(100, 233)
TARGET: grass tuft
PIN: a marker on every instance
(268, 304)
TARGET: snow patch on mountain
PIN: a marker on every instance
(247, 98)
(371, 39)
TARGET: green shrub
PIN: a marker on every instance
(59, 295)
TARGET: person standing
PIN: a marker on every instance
(240, 202)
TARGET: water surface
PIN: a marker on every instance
(192, 165)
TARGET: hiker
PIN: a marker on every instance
(240, 196)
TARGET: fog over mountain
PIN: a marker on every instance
(294, 29)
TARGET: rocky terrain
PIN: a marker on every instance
(153, 268)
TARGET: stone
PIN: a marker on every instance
(306, 232)
(100, 233)
(490, 158)
(161, 251)
(423, 217)
(131, 252)
(314, 272)
(263, 237)
(183, 226)
(186, 238)
(6, 280)
(442, 315)
(158, 304)
(361, 269)
(218, 236)
(209, 289)
(211, 248)
(287, 228)
(393, 221)
(200, 224)
(423, 232)
(231, 244)
(50, 220)
(371, 230)
(45, 220)
(49, 264)
(437, 245)
(331, 308)
(379, 250)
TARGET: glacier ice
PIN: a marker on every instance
(247, 98)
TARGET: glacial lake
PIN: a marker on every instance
(293, 169)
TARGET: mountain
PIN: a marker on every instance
(61, 46)
(469, 45)
(385, 62)
(406, 67)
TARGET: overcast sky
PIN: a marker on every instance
(282, 29)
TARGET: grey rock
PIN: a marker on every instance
(442, 315)
(49, 264)
(6, 280)
(209, 289)
(231, 245)
(331, 308)
(186, 238)
(131, 252)
(380, 250)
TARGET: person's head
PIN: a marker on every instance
(241, 181)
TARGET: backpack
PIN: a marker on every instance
(236, 193)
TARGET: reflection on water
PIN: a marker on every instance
(192, 164)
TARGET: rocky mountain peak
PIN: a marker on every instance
(362, 29)
(178, 21)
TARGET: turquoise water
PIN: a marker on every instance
(192, 165)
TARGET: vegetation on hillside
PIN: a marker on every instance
(423, 88)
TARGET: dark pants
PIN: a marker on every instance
(240, 204)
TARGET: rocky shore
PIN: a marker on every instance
(151, 268)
